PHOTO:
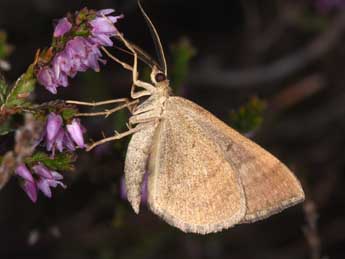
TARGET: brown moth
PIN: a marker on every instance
(203, 176)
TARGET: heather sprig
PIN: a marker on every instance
(40, 178)
(46, 142)
(76, 47)
(60, 138)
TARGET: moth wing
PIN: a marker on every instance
(190, 184)
(136, 162)
(269, 186)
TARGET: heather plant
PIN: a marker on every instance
(46, 142)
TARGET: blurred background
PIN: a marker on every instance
(274, 70)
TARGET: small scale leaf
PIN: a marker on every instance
(182, 53)
(68, 114)
(249, 117)
(3, 90)
(5, 128)
(61, 162)
(21, 90)
(5, 48)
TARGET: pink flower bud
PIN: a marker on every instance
(31, 190)
(62, 27)
(75, 130)
(24, 173)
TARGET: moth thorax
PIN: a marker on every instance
(163, 88)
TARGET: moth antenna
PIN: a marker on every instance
(156, 39)
(142, 55)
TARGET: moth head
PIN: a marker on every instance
(158, 76)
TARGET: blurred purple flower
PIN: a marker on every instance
(45, 179)
(57, 137)
(80, 53)
(62, 27)
(29, 185)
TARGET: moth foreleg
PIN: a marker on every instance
(136, 82)
(94, 104)
(115, 137)
(108, 112)
(123, 64)
(136, 95)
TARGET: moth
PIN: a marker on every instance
(203, 176)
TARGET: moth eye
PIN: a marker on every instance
(160, 77)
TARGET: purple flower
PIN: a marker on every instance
(105, 12)
(62, 27)
(103, 27)
(57, 137)
(62, 65)
(44, 180)
(54, 131)
(29, 185)
(31, 190)
(46, 77)
(75, 130)
(68, 142)
(47, 179)
(24, 173)
(80, 53)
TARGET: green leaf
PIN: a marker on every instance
(249, 117)
(3, 90)
(61, 161)
(68, 114)
(5, 128)
(5, 48)
(182, 53)
(22, 89)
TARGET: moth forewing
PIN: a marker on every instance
(190, 184)
(268, 184)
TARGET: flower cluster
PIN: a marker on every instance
(56, 136)
(60, 138)
(42, 179)
(80, 52)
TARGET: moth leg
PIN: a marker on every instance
(136, 95)
(134, 69)
(94, 104)
(123, 64)
(136, 82)
(107, 112)
(116, 136)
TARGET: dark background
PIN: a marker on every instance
(290, 54)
